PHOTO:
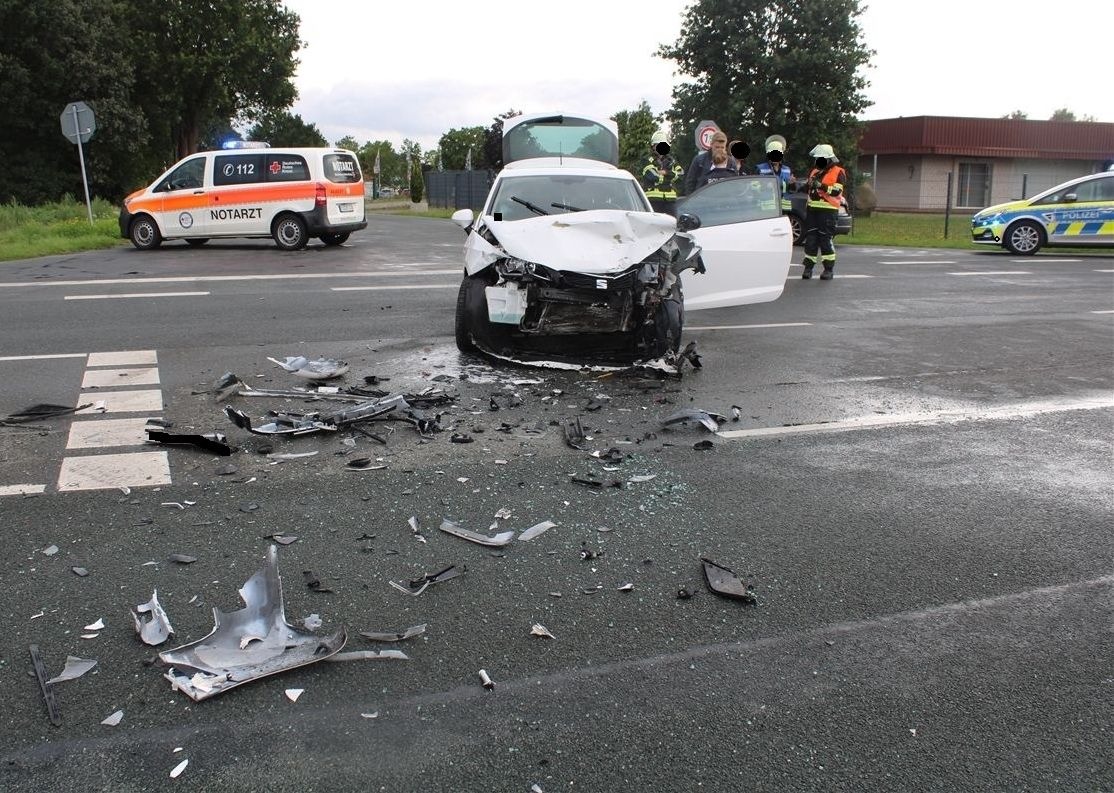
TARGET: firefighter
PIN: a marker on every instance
(661, 175)
(774, 165)
(826, 181)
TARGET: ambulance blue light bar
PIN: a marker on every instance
(245, 144)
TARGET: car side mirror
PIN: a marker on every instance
(687, 222)
(463, 218)
(1070, 197)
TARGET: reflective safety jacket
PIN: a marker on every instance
(785, 176)
(660, 177)
(825, 187)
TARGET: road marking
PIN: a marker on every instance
(1018, 410)
(996, 272)
(1102, 312)
(1104, 271)
(392, 287)
(925, 261)
(748, 327)
(135, 294)
(97, 433)
(110, 471)
(42, 357)
(21, 490)
(217, 278)
(124, 358)
(1045, 261)
(146, 401)
(106, 378)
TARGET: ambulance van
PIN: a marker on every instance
(290, 195)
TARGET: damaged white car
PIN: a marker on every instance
(567, 262)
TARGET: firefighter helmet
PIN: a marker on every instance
(660, 142)
(824, 150)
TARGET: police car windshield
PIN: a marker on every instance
(520, 197)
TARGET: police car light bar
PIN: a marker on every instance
(245, 144)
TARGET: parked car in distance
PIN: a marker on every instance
(1079, 212)
(796, 215)
(386, 192)
(567, 264)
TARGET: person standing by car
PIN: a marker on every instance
(706, 161)
(825, 187)
(774, 165)
(739, 150)
(661, 175)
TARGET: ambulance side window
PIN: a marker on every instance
(230, 169)
(189, 175)
(286, 168)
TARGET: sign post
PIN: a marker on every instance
(78, 125)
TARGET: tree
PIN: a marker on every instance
(636, 127)
(456, 144)
(392, 167)
(1017, 115)
(760, 67)
(493, 141)
(286, 129)
(1062, 114)
(197, 61)
(417, 182)
(348, 142)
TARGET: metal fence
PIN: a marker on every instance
(457, 189)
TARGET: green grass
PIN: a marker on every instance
(61, 227)
(911, 230)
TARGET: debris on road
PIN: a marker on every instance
(75, 667)
(370, 655)
(182, 558)
(42, 411)
(282, 539)
(498, 541)
(486, 680)
(536, 530)
(80, 572)
(45, 687)
(724, 582)
(710, 421)
(574, 435)
(409, 633)
(313, 583)
(178, 769)
(537, 629)
(417, 586)
(703, 446)
(95, 626)
(114, 719)
(213, 442)
(218, 663)
(320, 369)
(157, 629)
(292, 694)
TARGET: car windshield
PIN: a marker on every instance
(521, 197)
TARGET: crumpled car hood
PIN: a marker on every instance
(595, 242)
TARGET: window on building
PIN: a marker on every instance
(974, 185)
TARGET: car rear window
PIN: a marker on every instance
(342, 168)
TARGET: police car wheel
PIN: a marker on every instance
(145, 234)
(1024, 238)
(334, 239)
(290, 233)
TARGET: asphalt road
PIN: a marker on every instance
(918, 486)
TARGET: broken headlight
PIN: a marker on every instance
(511, 266)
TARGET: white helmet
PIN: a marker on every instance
(775, 143)
(660, 141)
(823, 150)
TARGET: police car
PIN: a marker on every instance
(250, 190)
(1077, 213)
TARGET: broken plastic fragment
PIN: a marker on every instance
(312, 622)
(540, 630)
(50, 550)
(243, 421)
(626, 587)
(574, 434)
(75, 668)
(217, 660)
(292, 694)
(370, 655)
(703, 446)
(114, 719)
(96, 626)
(157, 629)
(724, 582)
(41, 411)
(710, 421)
(321, 369)
(282, 539)
(456, 530)
(81, 572)
(409, 633)
(182, 558)
(213, 442)
(44, 687)
(536, 530)
(488, 683)
(418, 585)
(643, 478)
(178, 769)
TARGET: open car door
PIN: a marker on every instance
(746, 243)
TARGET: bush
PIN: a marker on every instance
(865, 200)
(417, 184)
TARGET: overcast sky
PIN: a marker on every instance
(392, 70)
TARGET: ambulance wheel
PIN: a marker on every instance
(144, 233)
(290, 233)
(1024, 238)
(197, 243)
(334, 239)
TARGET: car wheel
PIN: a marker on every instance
(144, 233)
(197, 243)
(1024, 238)
(290, 233)
(463, 325)
(334, 239)
(798, 228)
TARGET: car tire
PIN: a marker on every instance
(463, 324)
(197, 243)
(144, 233)
(798, 228)
(289, 232)
(335, 239)
(1023, 238)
